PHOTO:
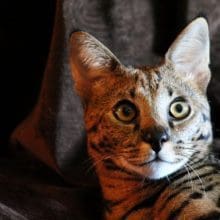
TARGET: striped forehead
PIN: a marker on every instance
(148, 83)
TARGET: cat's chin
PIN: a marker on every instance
(155, 169)
(158, 169)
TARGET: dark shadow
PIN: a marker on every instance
(25, 35)
(169, 18)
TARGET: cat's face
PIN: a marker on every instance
(149, 121)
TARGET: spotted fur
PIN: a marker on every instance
(173, 178)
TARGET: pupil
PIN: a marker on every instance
(126, 111)
(179, 108)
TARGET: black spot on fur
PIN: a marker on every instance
(171, 124)
(179, 142)
(170, 91)
(94, 128)
(196, 195)
(142, 83)
(136, 127)
(132, 92)
(136, 78)
(203, 137)
(208, 188)
(197, 131)
(204, 117)
(157, 86)
(113, 65)
(211, 186)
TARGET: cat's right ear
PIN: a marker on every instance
(189, 54)
(90, 61)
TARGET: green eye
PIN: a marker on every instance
(179, 110)
(125, 111)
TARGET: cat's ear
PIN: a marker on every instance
(189, 54)
(90, 61)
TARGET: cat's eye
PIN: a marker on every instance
(125, 111)
(179, 109)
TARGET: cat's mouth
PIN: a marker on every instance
(156, 159)
(155, 169)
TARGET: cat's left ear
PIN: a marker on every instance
(190, 53)
(90, 61)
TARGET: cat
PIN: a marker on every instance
(148, 129)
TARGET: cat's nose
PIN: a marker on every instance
(156, 136)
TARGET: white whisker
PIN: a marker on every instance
(189, 176)
(194, 171)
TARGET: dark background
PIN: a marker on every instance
(25, 34)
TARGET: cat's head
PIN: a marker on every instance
(149, 121)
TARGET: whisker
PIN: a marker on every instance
(97, 162)
(168, 179)
(142, 182)
(194, 171)
(189, 176)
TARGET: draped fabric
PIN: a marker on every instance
(138, 33)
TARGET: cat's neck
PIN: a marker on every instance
(120, 189)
